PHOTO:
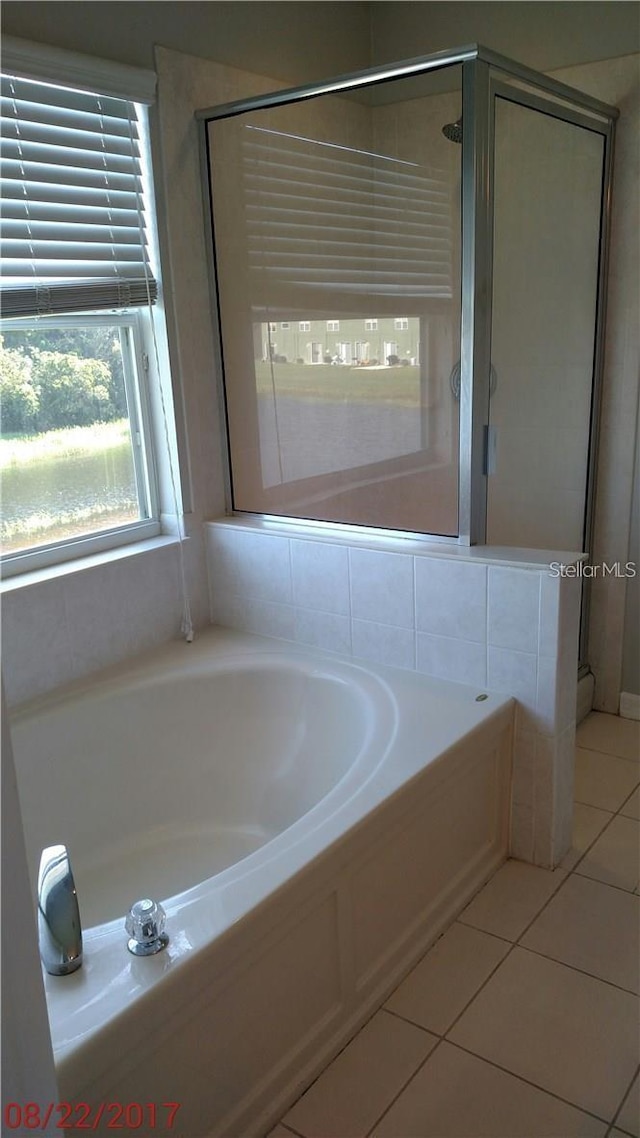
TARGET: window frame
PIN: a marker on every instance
(163, 420)
(136, 371)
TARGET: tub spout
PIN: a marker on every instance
(59, 928)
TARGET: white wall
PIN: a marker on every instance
(542, 36)
(293, 42)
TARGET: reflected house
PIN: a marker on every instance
(363, 342)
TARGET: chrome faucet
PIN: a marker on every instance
(59, 928)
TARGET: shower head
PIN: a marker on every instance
(453, 130)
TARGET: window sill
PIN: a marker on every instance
(91, 561)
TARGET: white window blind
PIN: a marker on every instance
(72, 235)
(324, 217)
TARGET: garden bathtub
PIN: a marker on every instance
(310, 824)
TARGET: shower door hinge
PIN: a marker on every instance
(490, 447)
(145, 361)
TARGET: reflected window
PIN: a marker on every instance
(338, 222)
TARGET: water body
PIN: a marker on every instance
(58, 497)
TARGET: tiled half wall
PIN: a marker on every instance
(501, 620)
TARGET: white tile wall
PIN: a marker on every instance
(452, 659)
(503, 627)
(382, 587)
(58, 629)
(320, 576)
(513, 609)
(437, 583)
(383, 644)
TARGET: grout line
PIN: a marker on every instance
(522, 1079)
(574, 968)
(623, 1101)
(611, 884)
(599, 835)
(607, 754)
(404, 1087)
(467, 924)
(444, 1034)
(630, 795)
(599, 751)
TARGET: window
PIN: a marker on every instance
(333, 325)
(401, 323)
(77, 333)
(371, 325)
(273, 327)
(304, 326)
(285, 325)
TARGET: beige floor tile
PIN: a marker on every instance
(279, 1131)
(456, 1095)
(511, 899)
(567, 1033)
(588, 822)
(593, 927)
(610, 733)
(631, 808)
(362, 1081)
(629, 1117)
(617, 1134)
(603, 780)
(615, 857)
(444, 981)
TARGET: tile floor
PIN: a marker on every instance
(522, 1021)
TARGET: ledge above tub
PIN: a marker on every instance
(390, 541)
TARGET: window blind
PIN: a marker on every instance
(72, 232)
(324, 217)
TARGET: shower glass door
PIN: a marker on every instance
(548, 180)
(337, 234)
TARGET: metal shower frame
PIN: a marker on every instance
(485, 75)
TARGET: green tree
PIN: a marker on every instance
(95, 342)
(18, 396)
(73, 392)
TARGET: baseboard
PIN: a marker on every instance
(584, 699)
(629, 705)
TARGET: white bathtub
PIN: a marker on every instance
(310, 824)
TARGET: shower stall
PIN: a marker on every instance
(409, 268)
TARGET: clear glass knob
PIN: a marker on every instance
(145, 923)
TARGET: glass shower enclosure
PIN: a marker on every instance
(409, 269)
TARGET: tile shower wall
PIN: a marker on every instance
(459, 615)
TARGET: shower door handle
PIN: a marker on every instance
(490, 449)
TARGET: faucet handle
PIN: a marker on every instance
(59, 927)
(145, 923)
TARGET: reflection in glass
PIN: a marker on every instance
(337, 230)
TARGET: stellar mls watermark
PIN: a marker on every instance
(591, 572)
